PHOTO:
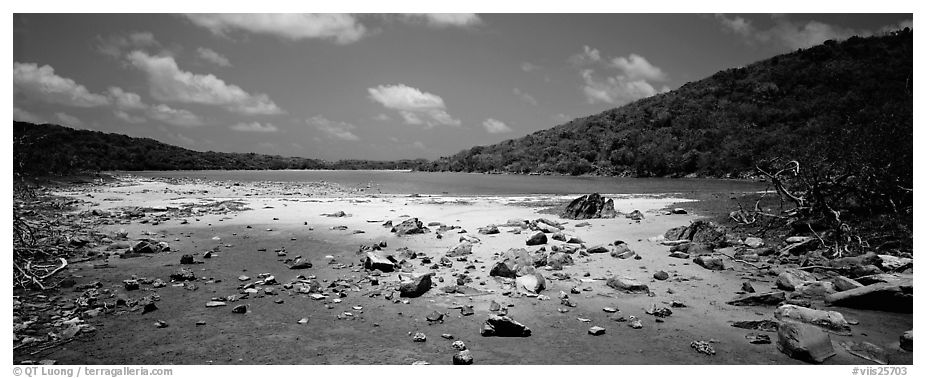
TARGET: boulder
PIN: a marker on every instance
(183, 274)
(842, 283)
(771, 298)
(711, 262)
(866, 350)
(790, 278)
(597, 249)
(674, 234)
(374, 261)
(589, 206)
(700, 231)
(300, 264)
(558, 236)
(469, 238)
(889, 263)
(520, 261)
(805, 343)
(414, 286)
(488, 230)
(661, 275)
(596, 331)
(538, 239)
(830, 321)
(622, 251)
(635, 215)
(628, 285)
(504, 326)
(906, 341)
(558, 260)
(463, 357)
(144, 246)
(534, 283)
(815, 289)
(409, 226)
(894, 296)
(461, 249)
(502, 270)
(679, 255)
(187, 259)
(753, 242)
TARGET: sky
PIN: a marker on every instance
(377, 86)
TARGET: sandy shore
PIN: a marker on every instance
(291, 218)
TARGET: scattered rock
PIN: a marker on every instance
(596, 330)
(831, 321)
(419, 337)
(187, 259)
(866, 350)
(661, 275)
(804, 342)
(753, 242)
(842, 283)
(711, 262)
(130, 285)
(458, 345)
(703, 347)
(622, 251)
(590, 206)
(374, 261)
(160, 324)
(628, 285)
(488, 230)
(747, 287)
(634, 323)
(759, 325)
(597, 249)
(502, 270)
(538, 239)
(679, 255)
(463, 357)
(183, 274)
(504, 326)
(415, 286)
(790, 278)
(300, 264)
(534, 283)
(771, 298)
(635, 215)
(409, 226)
(240, 309)
(758, 338)
(215, 304)
(462, 249)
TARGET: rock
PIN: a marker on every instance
(661, 275)
(596, 331)
(753, 242)
(415, 286)
(157, 283)
(494, 306)
(805, 343)
(300, 264)
(679, 255)
(758, 338)
(790, 278)
(504, 326)
(800, 248)
(144, 247)
(463, 357)
(798, 239)
(699, 231)
(589, 206)
(634, 323)
(458, 345)
(409, 226)
(558, 260)
(243, 278)
(628, 285)
(906, 341)
(187, 259)
(747, 287)
(488, 230)
(215, 304)
(597, 249)
(703, 347)
(461, 249)
(183, 274)
(842, 283)
(538, 239)
(711, 262)
(467, 310)
(520, 261)
(635, 215)
(374, 261)
(771, 298)
(609, 310)
(889, 296)
(435, 317)
(419, 337)
(815, 289)
(149, 307)
(534, 283)
(830, 321)
(866, 350)
(130, 285)
(240, 309)
(889, 263)
(160, 324)
(674, 234)
(678, 211)
(622, 251)
(502, 270)
(659, 312)
(760, 325)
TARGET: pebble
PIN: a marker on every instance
(419, 337)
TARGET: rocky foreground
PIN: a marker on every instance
(165, 272)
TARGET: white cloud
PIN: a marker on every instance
(415, 106)
(617, 90)
(211, 56)
(42, 83)
(25, 116)
(795, 35)
(587, 56)
(419, 145)
(636, 67)
(176, 117)
(169, 83)
(446, 19)
(115, 45)
(125, 100)
(382, 117)
(334, 130)
(635, 77)
(68, 120)
(525, 97)
(494, 126)
(128, 117)
(528, 67)
(341, 28)
(255, 127)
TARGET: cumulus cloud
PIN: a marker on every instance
(528, 67)
(446, 19)
(68, 120)
(169, 83)
(334, 130)
(116, 45)
(794, 35)
(340, 28)
(211, 56)
(255, 127)
(176, 117)
(494, 126)
(125, 100)
(122, 115)
(26, 116)
(625, 80)
(42, 83)
(525, 97)
(413, 105)
(382, 117)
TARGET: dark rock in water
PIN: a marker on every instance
(183, 274)
(635, 215)
(534, 283)
(538, 239)
(628, 285)
(831, 321)
(187, 259)
(747, 287)
(502, 270)
(373, 261)
(462, 249)
(503, 326)
(889, 296)
(759, 325)
(590, 206)
(771, 298)
(805, 343)
(488, 230)
(463, 357)
(415, 286)
(712, 262)
(409, 226)
(661, 275)
(300, 264)
(240, 309)
(906, 341)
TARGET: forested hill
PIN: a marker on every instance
(53, 149)
(837, 102)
